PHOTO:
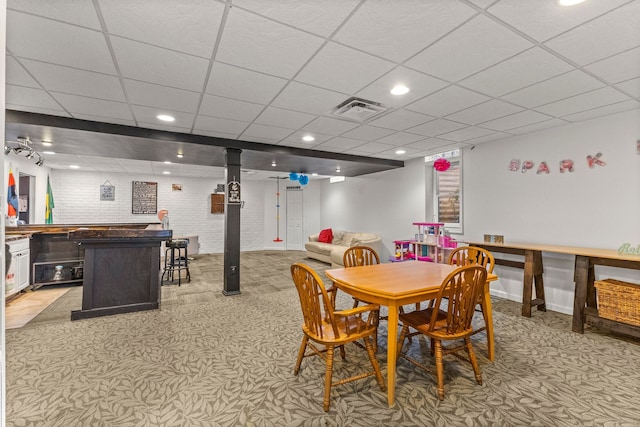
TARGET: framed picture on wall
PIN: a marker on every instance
(144, 197)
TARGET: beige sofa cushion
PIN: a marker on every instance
(319, 247)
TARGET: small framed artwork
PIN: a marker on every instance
(176, 187)
(107, 192)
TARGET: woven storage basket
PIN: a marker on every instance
(619, 301)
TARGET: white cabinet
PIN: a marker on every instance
(17, 277)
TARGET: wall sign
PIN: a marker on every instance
(144, 197)
(234, 192)
(107, 192)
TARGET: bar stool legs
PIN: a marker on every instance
(175, 261)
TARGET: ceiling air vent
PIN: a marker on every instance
(358, 110)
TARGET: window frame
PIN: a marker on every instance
(455, 157)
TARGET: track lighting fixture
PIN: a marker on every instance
(22, 147)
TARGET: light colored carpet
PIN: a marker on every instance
(28, 305)
(204, 359)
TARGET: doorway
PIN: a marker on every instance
(26, 191)
(295, 202)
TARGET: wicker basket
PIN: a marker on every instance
(619, 301)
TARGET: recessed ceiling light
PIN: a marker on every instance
(314, 174)
(166, 118)
(166, 173)
(569, 2)
(399, 90)
(308, 138)
(338, 169)
(167, 162)
(74, 166)
(180, 155)
(273, 164)
(400, 152)
(48, 152)
(47, 143)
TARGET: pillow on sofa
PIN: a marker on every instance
(326, 236)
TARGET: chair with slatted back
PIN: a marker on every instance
(448, 320)
(471, 255)
(326, 327)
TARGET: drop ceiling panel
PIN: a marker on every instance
(41, 39)
(367, 133)
(17, 75)
(308, 99)
(465, 134)
(226, 108)
(400, 138)
(618, 68)
(78, 82)
(93, 106)
(396, 30)
(215, 124)
(522, 70)
(38, 110)
(343, 69)
(447, 101)
(582, 102)
(545, 19)
(419, 84)
(603, 111)
(340, 144)
(269, 132)
(296, 138)
(74, 12)
(484, 112)
(311, 15)
(614, 32)
(233, 82)
(104, 119)
(479, 44)
(436, 127)
(30, 97)
(372, 148)
(430, 144)
(538, 126)
(329, 125)
(284, 118)
(189, 27)
(632, 87)
(148, 115)
(260, 44)
(162, 97)
(166, 67)
(556, 88)
(523, 118)
(401, 120)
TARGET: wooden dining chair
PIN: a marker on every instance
(328, 328)
(471, 255)
(449, 319)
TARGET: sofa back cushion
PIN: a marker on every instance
(338, 238)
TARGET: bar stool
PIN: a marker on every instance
(175, 260)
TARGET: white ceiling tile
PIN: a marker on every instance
(478, 44)
(563, 86)
(582, 102)
(78, 82)
(342, 69)
(245, 85)
(330, 126)
(93, 106)
(165, 67)
(76, 12)
(148, 115)
(52, 112)
(17, 75)
(520, 119)
(419, 85)
(313, 16)
(296, 137)
(259, 44)
(160, 126)
(215, 124)
(614, 32)
(447, 101)
(617, 68)
(226, 108)
(632, 87)
(217, 134)
(409, 153)
(436, 127)
(484, 112)
(30, 97)
(429, 144)
(483, 3)
(269, 132)
(374, 147)
(308, 99)
(190, 27)
(397, 30)
(166, 98)
(284, 118)
(367, 133)
(545, 19)
(522, 70)
(50, 41)
(491, 137)
(401, 120)
(400, 138)
(466, 134)
(342, 143)
(101, 118)
(604, 111)
(538, 126)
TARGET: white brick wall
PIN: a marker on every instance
(77, 201)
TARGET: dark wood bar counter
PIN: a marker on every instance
(121, 270)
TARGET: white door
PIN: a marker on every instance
(295, 202)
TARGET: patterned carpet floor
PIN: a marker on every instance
(205, 359)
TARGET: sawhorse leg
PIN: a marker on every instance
(533, 274)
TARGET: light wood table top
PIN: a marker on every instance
(393, 285)
(570, 250)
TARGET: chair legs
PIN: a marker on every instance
(303, 348)
(473, 360)
(327, 379)
(374, 362)
(439, 369)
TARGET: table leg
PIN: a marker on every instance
(392, 350)
(581, 277)
(488, 320)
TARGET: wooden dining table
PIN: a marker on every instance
(394, 285)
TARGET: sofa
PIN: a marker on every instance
(333, 252)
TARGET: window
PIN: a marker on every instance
(446, 191)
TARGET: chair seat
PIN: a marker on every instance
(349, 328)
(420, 319)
